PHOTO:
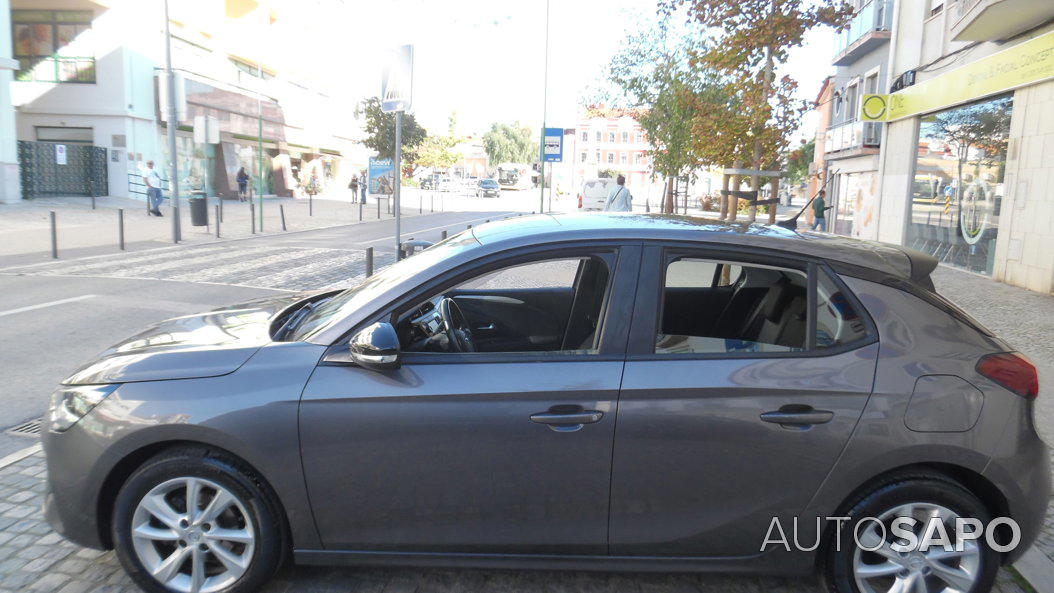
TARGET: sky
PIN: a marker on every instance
(485, 59)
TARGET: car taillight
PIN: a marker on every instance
(579, 200)
(1011, 370)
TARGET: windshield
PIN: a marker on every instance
(489, 183)
(368, 292)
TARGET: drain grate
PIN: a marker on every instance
(30, 428)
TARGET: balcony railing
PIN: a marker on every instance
(56, 69)
(854, 134)
(876, 15)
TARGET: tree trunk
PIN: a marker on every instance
(755, 180)
(775, 194)
(725, 178)
(668, 203)
(733, 201)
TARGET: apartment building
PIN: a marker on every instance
(851, 146)
(967, 169)
(89, 81)
(606, 140)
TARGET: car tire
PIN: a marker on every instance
(839, 564)
(254, 512)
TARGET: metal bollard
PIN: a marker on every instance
(281, 212)
(444, 234)
(310, 205)
(420, 204)
(252, 217)
(120, 228)
(378, 208)
(360, 211)
(432, 208)
(54, 236)
(369, 262)
(219, 217)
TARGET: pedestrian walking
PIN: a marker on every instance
(243, 184)
(362, 187)
(354, 187)
(619, 200)
(153, 189)
(819, 210)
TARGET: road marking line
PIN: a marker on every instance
(42, 305)
(19, 455)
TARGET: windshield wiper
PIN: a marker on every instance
(296, 318)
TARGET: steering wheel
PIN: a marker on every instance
(456, 326)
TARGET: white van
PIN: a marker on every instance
(594, 193)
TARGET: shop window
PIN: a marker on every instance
(53, 45)
(958, 186)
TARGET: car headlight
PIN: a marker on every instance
(71, 403)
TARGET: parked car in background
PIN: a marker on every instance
(430, 181)
(487, 188)
(459, 408)
(448, 184)
(594, 193)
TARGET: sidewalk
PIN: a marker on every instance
(25, 226)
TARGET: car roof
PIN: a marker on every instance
(553, 228)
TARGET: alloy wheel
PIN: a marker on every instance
(193, 535)
(936, 570)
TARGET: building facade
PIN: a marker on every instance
(91, 74)
(851, 146)
(608, 141)
(968, 151)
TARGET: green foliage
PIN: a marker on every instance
(798, 162)
(510, 143)
(437, 152)
(380, 130)
(607, 173)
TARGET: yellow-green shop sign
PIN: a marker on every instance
(1024, 64)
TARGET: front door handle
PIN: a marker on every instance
(797, 416)
(567, 421)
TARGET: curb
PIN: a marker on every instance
(1035, 567)
(20, 455)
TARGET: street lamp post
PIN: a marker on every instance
(173, 125)
(545, 106)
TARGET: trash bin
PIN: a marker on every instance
(199, 209)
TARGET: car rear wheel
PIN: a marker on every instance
(861, 557)
(195, 522)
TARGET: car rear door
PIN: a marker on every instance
(477, 453)
(716, 436)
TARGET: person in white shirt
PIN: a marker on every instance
(153, 189)
(619, 200)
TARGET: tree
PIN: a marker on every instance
(437, 152)
(798, 161)
(380, 130)
(510, 143)
(743, 41)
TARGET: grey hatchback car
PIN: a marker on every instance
(611, 392)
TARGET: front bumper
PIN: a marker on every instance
(71, 503)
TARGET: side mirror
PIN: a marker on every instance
(376, 347)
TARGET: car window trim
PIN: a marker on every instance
(652, 282)
(622, 258)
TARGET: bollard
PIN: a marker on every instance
(378, 208)
(252, 217)
(219, 217)
(360, 211)
(93, 200)
(420, 204)
(432, 207)
(281, 212)
(444, 234)
(369, 262)
(310, 205)
(468, 227)
(54, 237)
(120, 228)
(219, 212)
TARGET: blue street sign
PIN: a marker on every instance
(553, 145)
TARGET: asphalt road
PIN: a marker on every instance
(56, 316)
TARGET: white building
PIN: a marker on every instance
(89, 75)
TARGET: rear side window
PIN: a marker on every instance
(711, 306)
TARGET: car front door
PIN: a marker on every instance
(480, 452)
(744, 379)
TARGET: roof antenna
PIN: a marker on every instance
(791, 224)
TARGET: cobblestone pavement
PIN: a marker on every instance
(32, 558)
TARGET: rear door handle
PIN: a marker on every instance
(797, 416)
(567, 421)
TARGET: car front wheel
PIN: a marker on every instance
(862, 558)
(194, 521)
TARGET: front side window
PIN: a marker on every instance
(711, 307)
(551, 305)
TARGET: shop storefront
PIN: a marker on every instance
(958, 187)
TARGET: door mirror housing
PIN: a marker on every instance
(376, 347)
